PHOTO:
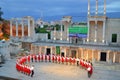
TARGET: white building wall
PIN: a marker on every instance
(113, 27)
(42, 36)
(15, 48)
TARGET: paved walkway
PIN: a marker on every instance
(53, 71)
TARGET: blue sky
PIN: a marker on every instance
(55, 9)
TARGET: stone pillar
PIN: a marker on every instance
(61, 30)
(32, 28)
(28, 27)
(88, 7)
(93, 59)
(108, 52)
(64, 51)
(11, 28)
(45, 50)
(16, 28)
(88, 24)
(87, 54)
(35, 49)
(104, 7)
(67, 34)
(114, 57)
(95, 39)
(22, 28)
(51, 52)
(96, 8)
(99, 55)
(77, 53)
(82, 53)
(54, 33)
(39, 49)
(103, 40)
(33, 24)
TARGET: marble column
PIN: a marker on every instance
(108, 57)
(67, 34)
(28, 27)
(99, 55)
(22, 28)
(96, 8)
(104, 7)
(61, 30)
(51, 53)
(35, 49)
(11, 28)
(82, 53)
(88, 7)
(54, 33)
(16, 28)
(114, 57)
(64, 51)
(39, 49)
(88, 24)
(103, 40)
(93, 59)
(87, 54)
(95, 39)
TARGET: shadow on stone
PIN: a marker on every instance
(7, 78)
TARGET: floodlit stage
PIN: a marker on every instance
(53, 71)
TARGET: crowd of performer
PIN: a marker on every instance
(24, 68)
(28, 70)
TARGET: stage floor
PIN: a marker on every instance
(53, 71)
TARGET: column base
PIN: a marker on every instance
(60, 38)
(54, 38)
(67, 39)
(87, 40)
(95, 40)
(103, 41)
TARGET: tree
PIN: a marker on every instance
(1, 13)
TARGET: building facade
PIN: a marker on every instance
(102, 42)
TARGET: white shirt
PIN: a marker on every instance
(32, 68)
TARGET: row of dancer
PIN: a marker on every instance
(61, 60)
(84, 64)
(22, 67)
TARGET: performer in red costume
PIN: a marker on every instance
(29, 71)
(66, 60)
(35, 58)
(45, 58)
(59, 59)
(42, 57)
(70, 60)
(90, 70)
(49, 58)
(29, 57)
(38, 56)
(56, 58)
(62, 60)
(73, 61)
(53, 58)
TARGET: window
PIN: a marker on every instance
(114, 37)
